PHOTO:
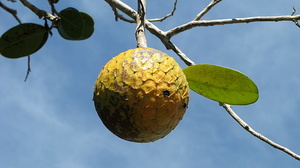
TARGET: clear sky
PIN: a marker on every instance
(50, 120)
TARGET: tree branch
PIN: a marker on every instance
(40, 13)
(167, 16)
(206, 9)
(11, 11)
(151, 28)
(203, 23)
(166, 36)
(256, 134)
(123, 7)
(51, 3)
(140, 24)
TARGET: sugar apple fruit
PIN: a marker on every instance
(141, 95)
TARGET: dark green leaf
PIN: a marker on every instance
(71, 24)
(88, 26)
(23, 40)
(75, 25)
(221, 84)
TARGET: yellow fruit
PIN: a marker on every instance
(141, 95)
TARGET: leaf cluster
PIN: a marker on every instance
(27, 38)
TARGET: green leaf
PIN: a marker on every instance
(221, 84)
(75, 25)
(88, 26)
(71, 24)
(23, 40)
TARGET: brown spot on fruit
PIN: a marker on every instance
(166, 93)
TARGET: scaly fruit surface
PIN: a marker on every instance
(141, 95)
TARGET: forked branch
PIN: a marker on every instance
(11, 11)
(165, 37)
(40, 13)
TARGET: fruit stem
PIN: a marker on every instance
(140, 24)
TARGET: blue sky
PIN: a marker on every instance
(50, 120)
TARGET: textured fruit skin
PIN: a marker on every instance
(141, 95)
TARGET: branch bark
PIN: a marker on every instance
(167, 16)
(165, 37)
(205, 10)
(205, 23)
(40, 13)
(256, 134)
(140, 24)
(151, 28)
(11, 11)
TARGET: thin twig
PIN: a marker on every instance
(295, 21)
(181, 55)
(167, 16)
(256, 134)
(117, 15)
(53, 9)
(151, 28)
(115, 12)
(123, 7)
(125, 19)
(28, 68)
(40, 13)
(294, 11)
(206, 9)
(203, 23)
(11, 11)
(165, 38)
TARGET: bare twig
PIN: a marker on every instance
(115, 12)
(123, 7)
(151, 28)
(28, 68)
(206, 9)
(125, 19)
(117, 15)
(203, 23)
(53, 9)
(183, 57)
(11, 11)
(256, 134)
(167, 42)
(167, 16)
(294, 11)
(38, 12)
(295, 21)
(140, 24)
(166, 36)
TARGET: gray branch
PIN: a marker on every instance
(165, 37)
(256, 134)
(40, 13)
(205, 23)
(167, 16)
(11, 11)
(206, 9)
(151, 28)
